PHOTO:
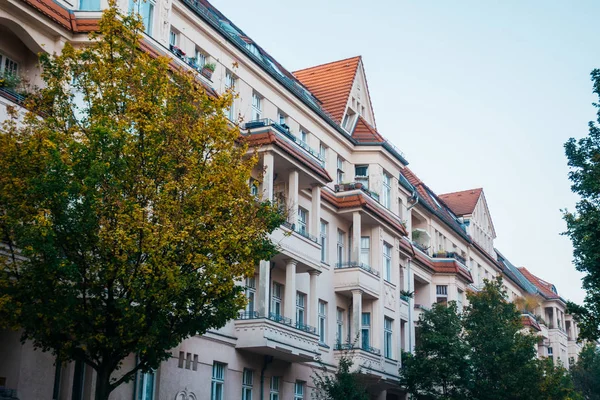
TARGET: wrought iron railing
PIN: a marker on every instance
(12, 95)
(450, 254)
(248, 315)
(285, 131)
(302, 232)
(350, 346)
(354, 264)
(421, 247)
(280, 318)
(306, 328)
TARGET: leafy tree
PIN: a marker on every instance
(125, 210)
(556, 382)
(586, 372)
(502, 356)
(583, 226)
(344, 384)
(439, 368)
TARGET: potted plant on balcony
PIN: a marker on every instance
(192, 62)
(9, 81)
(208, 69)
(440, 254)
(178, 52)
(406, 295)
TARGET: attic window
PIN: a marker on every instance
(253, 49)
(348, 122)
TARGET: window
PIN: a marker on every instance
(348, 122)
(282, 118)
(145, 389)
(386, 193)
(387, 261)
(365, 250)
(339, 331)
(253, 187)
(323, 153)
(247, 384)
(322, 320)
(299, 390)
(361, 174)
(274, 389)
(300, 308)
(8, 66)
(340, 247)
(304, 136)
(365, 331)
(276, 299)
(218, 381)
(146, 10)
(302, 218)
(387, 337)
(256, 106)
(250, 294)
(78, 380)
(323, 234)
(173, 36)
(90, 5)
(340, 170)
(442, 294)
(230, 84)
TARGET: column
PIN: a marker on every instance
(313, 299)
(264, 288)
(315, 212)
(356, 317)
(292, 197)
(289, 308)
(356, 233)
(377, 324)
(267, 182)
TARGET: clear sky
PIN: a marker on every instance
(476, 93)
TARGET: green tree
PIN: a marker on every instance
(125, 210)
(586, 372)
(502, 356)
(439, 367)
(556, 383)
(343, 384)
(583, 226)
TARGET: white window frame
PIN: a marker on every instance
(340, 247)
(387, 261)
(138, 6)
(281, 118)
(299, 390)
(217, 381)
(304, 136)
(365, 328)
(323, 228)
(340, 170)
(441, 293)
(274, 388)
(14, 66)
(256, 106)
(365, 250)
(322, 321)
(300, 308)
(173, 38)
(364, 179)
(323, 153)
(302, 221)
(247, 383)
(277, 288)
(230, 81)
(386, 193)
(339, 333)
(250, 293)
(145, 389)
(388, 334)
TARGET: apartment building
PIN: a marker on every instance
(367, 246)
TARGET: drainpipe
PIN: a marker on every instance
(410, 308)
(414, 196)
(268, 360)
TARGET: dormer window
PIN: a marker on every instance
(348, 122)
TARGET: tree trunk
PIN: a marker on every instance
(103, 388)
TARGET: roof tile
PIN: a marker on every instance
(463, 202)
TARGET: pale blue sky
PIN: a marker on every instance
(476, 93)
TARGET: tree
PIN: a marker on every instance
(556, 382)
(583, 226)
(439, 368)
(344, 384)
(586, 372)
(502, 356)
(125, 208)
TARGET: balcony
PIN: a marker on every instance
(353, 275)
(450, 254)
(284, 132)
(301, 246)
(367, 358)
(276, 336)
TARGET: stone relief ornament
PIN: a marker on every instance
(185, 395)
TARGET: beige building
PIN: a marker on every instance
(367, 246)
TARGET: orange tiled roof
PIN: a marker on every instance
(463, 202)
(363, 132)
(331, 83)
(544, 287)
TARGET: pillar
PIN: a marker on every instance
(267, 183)
(377, 324)
(289, 308)
(292, 197)
(264, 288)
(356, 317)
(315, 212)
(356, 233)
(313, 299)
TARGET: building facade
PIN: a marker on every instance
(367, 246)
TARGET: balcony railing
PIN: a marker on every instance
(306, 328)
(421, 247)
(280, 318)
(350, 346)
(285, 131)
(354, 264)
(302, 232)
(450, 254)
(248, 315)
(12, 95)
